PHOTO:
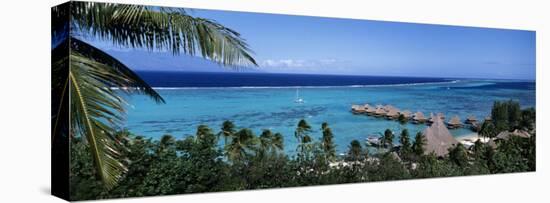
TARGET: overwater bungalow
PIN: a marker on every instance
(432, 118)
(488, 118)
(406, 113)
(388, 107)
(357, 109)
(454, 123)
(393, 113)
(441, 115)
(370, 110)
(379, 112)
(438, 138)
(418, 117)
(471, 119)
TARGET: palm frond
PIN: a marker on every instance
(120, 76)
(92, 104)
(97, 110)
(162, 29)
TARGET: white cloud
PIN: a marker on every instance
(297, 63)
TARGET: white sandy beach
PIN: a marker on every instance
(471, 138)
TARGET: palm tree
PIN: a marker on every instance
(304, 148)
(278, 141)
(388, 138)
(327, 142)
(242, 144)
(418, 145)
(405, 142)
(355, 150)
(97, 109)
(270, 142)
(302, 130)
(227, 130)
(488, 130)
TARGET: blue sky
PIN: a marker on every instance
(299, 44)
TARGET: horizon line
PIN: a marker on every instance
(330, 74)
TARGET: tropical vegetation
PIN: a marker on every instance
(238, 159)
(97, 81)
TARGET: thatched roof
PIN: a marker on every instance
(388, 107)
(393, 112)
(419, 116)
(406, 113)
(471, 118)
(432, 118)
(438, 138)
(366, 106)
(380, 111)
(455, 121)
(370, 109)
(506, 134)
(357, 108)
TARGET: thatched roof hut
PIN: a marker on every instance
(471, 119)
(388, 107)
(504, 135)
(419, 117)
(432, 118)
(407, 114)
(357, 109)
(455, 122)
(392, 113)
(438, 138)
(370, 110)
(441, 115)
(380, 112)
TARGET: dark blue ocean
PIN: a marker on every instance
(266, 101)
(236, 79)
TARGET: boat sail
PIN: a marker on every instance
(298, 99)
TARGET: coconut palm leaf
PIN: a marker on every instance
(162, 29)
(96, 109)
(130, 82)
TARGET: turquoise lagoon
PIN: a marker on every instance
(274, 108)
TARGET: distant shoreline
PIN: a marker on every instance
(311, 87)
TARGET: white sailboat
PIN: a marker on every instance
(298, 99)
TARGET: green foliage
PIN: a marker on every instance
(406, 148)
(488, 130)
(242, 145)
(528, 119)
(506, 115)
(96, 109)
(302, 129)
(389, 168)
(387, 140)
(327, 141)
(355, 151)
(197, 164)
(418, 145)
(227, 131)
(458, 155)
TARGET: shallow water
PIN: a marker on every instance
(275, 109)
